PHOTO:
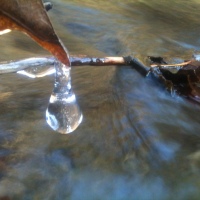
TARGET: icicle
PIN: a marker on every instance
(63, 113)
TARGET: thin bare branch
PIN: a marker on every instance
(14, 66)
(171, 65)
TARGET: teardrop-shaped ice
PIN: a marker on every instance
(63, 113)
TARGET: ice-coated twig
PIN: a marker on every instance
(14, 66)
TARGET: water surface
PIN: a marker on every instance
(135, 141)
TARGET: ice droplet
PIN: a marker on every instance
(63, 113)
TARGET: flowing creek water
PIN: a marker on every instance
(135, 141)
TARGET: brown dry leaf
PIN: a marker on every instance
(184, 81)
(30, 16)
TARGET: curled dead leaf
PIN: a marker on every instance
(30, 17)
(184, 80)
